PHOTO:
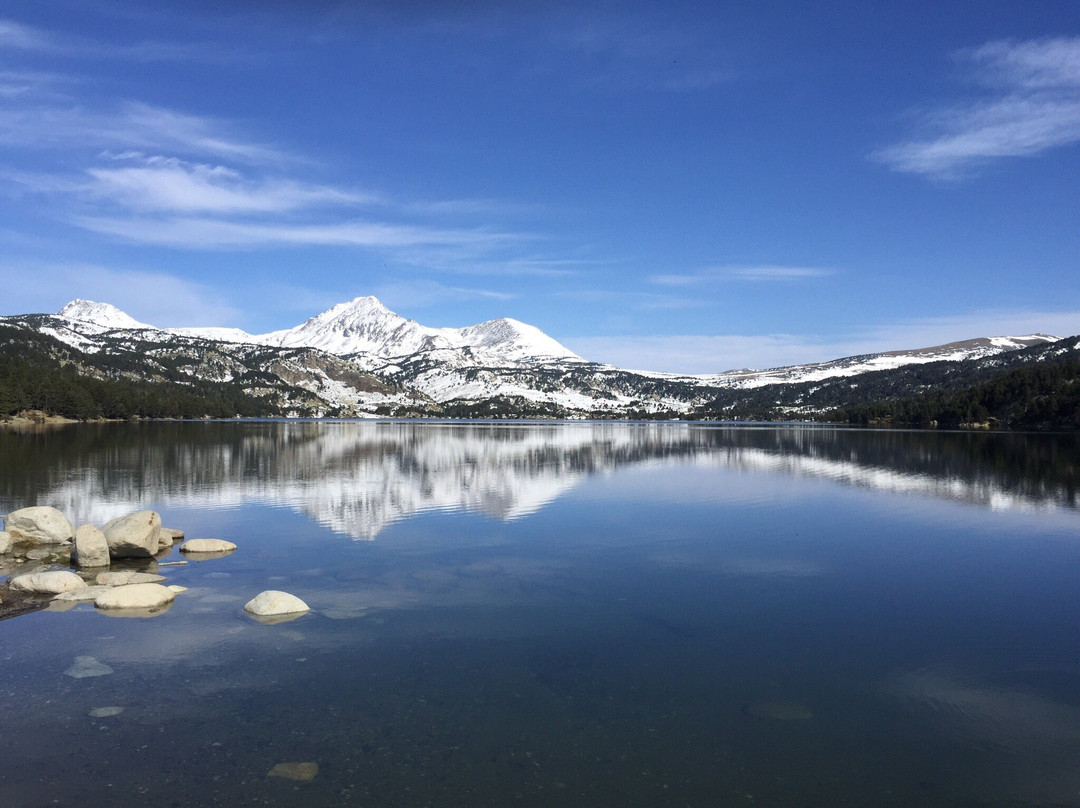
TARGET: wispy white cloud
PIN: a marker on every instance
(199, 233)
(551, 268)
(129, 125)
(152, 297)
(153, 175)
(742, 273)
(645, 301)
(420, 293)
(169, 184)
(40, 84)
(15, 35)
(715, 353)
(1034, 105)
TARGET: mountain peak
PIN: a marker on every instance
(104, 315)
(365, 305)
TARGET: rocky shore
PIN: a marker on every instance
(48, 563)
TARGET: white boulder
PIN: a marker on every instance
(272, 603)
(39, 525)
(168, 536)
(52, 582)
(5, 542)
(207, 546)
(134, 535)
(91, 547)
(135, 596)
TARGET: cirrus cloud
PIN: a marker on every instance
(1033, 106)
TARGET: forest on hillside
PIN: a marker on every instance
(1043, 396)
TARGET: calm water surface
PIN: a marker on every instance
(562, 615)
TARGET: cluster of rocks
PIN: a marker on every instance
(45, 535)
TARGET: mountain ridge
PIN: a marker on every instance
(365, 325)
(359, 359)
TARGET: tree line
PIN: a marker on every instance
(31, 379)
(1042, 396)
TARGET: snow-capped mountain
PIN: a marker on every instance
(365, 326)
(853, 365)
(361, 358)
(103, 315)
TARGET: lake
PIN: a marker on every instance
(579, 614)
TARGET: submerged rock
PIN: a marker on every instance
(91, 547)
(134, 535)
(126, 577)
(87, 666)
(295, 770)
(273, 603)
(105, 712)
(135, 596)
(217, 546)
(52, 582)
(83, 595)
(39, 525)
(138, 612)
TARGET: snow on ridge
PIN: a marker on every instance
(104, 315)
(219, 334)
(977, 348)
(380, 341)
(513, 339)
(365, 325)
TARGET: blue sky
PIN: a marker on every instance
(672, 186)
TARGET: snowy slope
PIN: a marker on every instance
(498, 359)
(854, 365)
(104, 315)
(365, 326)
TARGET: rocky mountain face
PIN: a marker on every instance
(359, 358)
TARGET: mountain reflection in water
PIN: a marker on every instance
(358, 477)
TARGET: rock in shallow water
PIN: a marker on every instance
(295, 771)
(207, 546)
(135, 596)
(48, 583)
(134, 535)
(91, 547)
(168, 536)
(5, 542)
(125, 577)
(272, 603)
(39, 525)
(82, 595)
(87, 666)
(105, 712)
